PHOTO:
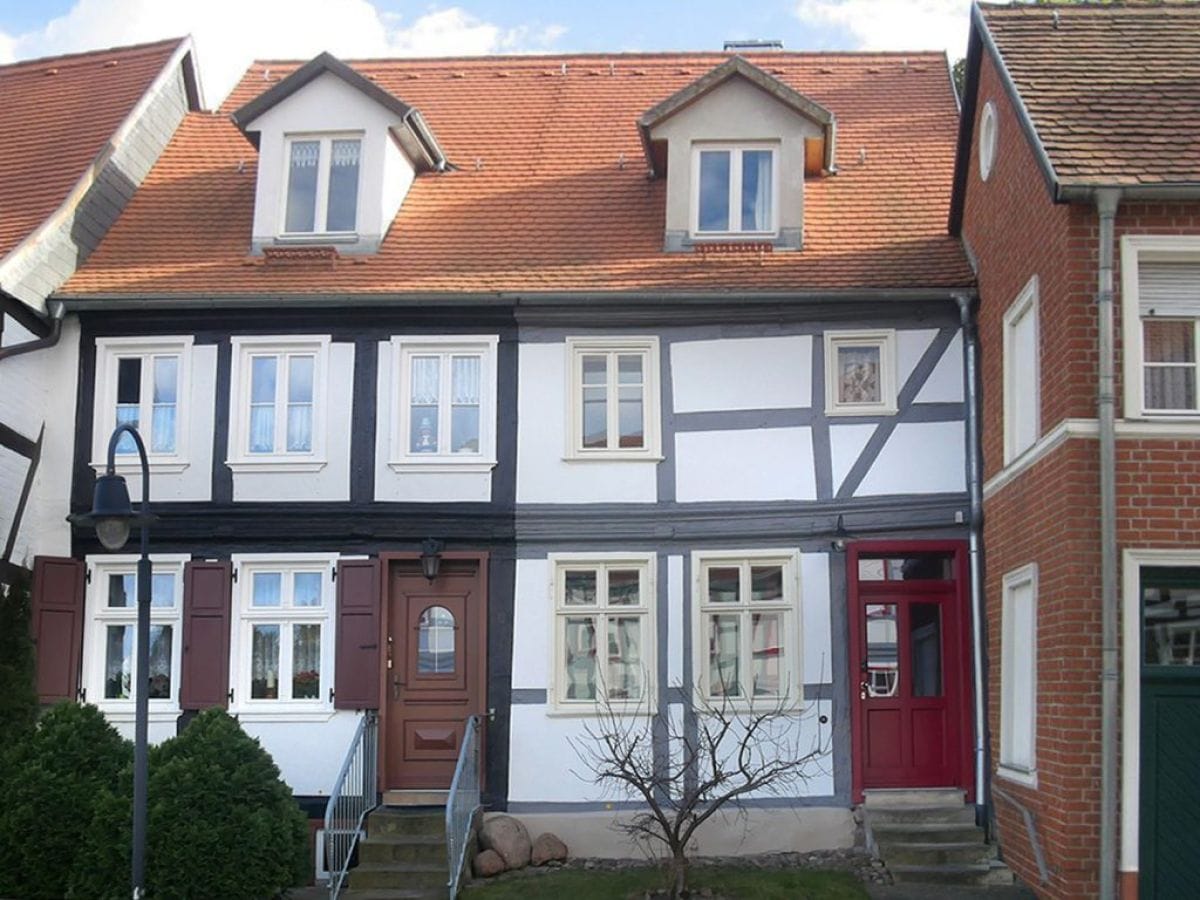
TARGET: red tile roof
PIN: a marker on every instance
(1113, 90)
(56, 115)
(551, 193)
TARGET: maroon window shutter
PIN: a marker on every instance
(57, 624)
(204, 673)
(356, 676)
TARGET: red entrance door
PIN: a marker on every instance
(435, 670)
(910, 686)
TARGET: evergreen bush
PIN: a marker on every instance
(18, 696)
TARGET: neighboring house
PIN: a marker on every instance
(664, 350)
(77, 136)
(1077, 194)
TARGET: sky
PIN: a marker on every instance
(231, 33)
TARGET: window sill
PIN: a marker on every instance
(700, 237)
(157, 467)
(125, 715)
(281, 713)
(442, 465)
(615, 456)
(594, 711)
(882, 410)
(276, 464)
(1024, 777)
(317, 237)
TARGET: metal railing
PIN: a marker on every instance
(353, 796)
(462, 804)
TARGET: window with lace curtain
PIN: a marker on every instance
(734, 189)
(283, 634)
(322, 184)
(279, 384)
(446, 388)
(142, 383)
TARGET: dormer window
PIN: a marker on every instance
(322, 184)
(735, 189)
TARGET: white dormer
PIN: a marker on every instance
(337, 155)
(735, 147)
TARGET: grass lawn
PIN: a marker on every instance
(752, 884)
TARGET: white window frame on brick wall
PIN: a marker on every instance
(645, 347)
(792, 679)
(109, 353)
(445, 348)
(646, 610)
(1022, 409)
(240, 459)
(246, 615)
(100, 616)
(885, 341)
(1018, 676)
(1136, 249)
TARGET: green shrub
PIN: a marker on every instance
(18, 697)
(221, 823)
(55, 773)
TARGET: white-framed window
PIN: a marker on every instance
(613, 406)
(735, 189)
(321, 183)
(446, 410)
(988, 138)
(278, 403)
(603, 632)
(110, 639)
(860, 373)
(1018, 675)
(1022, 373)
(747, 625)
(1160, 312)
(144, 382)
(282, 644)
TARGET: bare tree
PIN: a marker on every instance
(736, 749)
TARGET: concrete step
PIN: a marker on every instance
(398, 876)
(961, 814)
(416, 798)
(981, 874)
(404, 848)
(403, 894)
(392, 821)
(925, 832)
(933, 853)
(891, 798)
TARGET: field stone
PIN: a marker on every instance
(487, 864)
(509, 838)
(548, 848)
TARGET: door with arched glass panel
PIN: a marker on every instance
(435, 670)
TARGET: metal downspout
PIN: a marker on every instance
(1106, 208)
(975, 551)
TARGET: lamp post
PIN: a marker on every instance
(113, 518)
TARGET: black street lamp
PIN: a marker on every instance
(113, 517)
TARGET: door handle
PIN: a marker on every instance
(396, 686)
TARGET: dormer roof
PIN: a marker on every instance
(414, 134)
(735, 67)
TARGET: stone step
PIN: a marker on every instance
(391, 821)
(932, 853)
(438, 893)
(960, 814)
(891, 798)
(416, 798)
(925, 832)
(987, 874)
(421, 848)
(398, 876)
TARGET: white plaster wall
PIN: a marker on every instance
(764, 464)
(543, 475)
(945, 382)
(531, 625)
(742, 373)
(333, 481)
(309, 754)
(14, 333)
(910, 345)
(676, 594)
(14, 469)
(919, 458)
(815, 627)
(327, 105)
(736, 111)
(846, 444)
(409, 485)
(160, 727)
(195, 482)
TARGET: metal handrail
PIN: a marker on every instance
(352, 797)
(462, 803)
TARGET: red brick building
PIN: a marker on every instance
(1077, 195)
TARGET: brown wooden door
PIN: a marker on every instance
(436, 669)
(910, 687)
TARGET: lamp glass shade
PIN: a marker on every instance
(430, 563)
(113, 532)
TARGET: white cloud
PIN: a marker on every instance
(892, 25)
(231, 33)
